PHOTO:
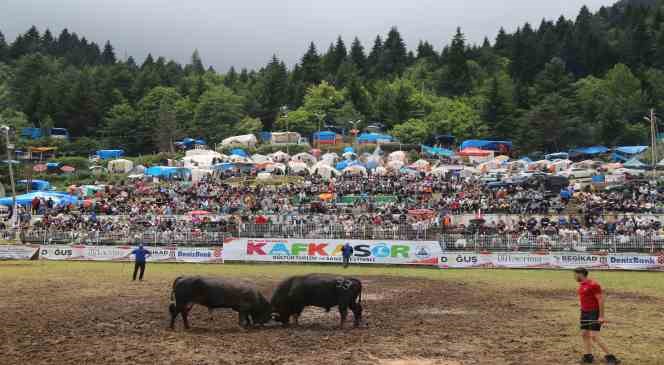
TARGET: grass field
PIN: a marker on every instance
(84, 312)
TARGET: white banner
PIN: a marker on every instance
(200, 255)
(123, 253)
(314, 250)
(625, 261)
(522, 260)
(574, 260)
(462, 260)
(518, 260)
(18, 252)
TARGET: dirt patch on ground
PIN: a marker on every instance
(73, 320)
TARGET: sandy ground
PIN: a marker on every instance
(86, 317)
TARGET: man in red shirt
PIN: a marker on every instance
(592, 316)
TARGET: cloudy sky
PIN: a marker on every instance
(245, 33)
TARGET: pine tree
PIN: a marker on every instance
(4, 51)
(149, 62)
(230, 78)
(456, 80)
(426, 50)
(394, 56)
(196, 65)
(357, 56)
(47, 42)
(373, 61)
(311, 66)
(108, 55)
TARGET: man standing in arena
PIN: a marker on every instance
(141, 255)
(347, 251)
(592, 317)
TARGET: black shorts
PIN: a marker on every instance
(589, 321)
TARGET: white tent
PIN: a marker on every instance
(304, 157)
(397, 155)
(276, 167)
(201, 158)
(330, 156)
(247, 140)
(349, 155)
(120, 166)
(297, 166)
(395, 165)
(325, 171)
(258, 158)
(238, 159)
(285, 137)
(279, 156)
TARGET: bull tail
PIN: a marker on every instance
(173, 289)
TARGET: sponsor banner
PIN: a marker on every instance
(200, 255)
(574, 260)
(315, 250)
(123, 253)
(462, 260)
(517, 260)
(625, 261)
(18, 252)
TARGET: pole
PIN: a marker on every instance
(653, 136)
(11, 174)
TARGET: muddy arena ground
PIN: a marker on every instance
(91, 313)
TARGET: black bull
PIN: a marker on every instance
(238, 295)
(319, 290)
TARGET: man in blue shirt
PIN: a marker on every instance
(141, 255)
(347, 251)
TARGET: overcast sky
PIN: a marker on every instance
(245, 33)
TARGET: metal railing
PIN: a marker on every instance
(572, 242)
(651, 243)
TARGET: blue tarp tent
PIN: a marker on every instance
(500, 146)
(26, 199)
(168, 172)
(631, 150)
(265, 137)
(348, 149)
(325, 137)
(374, 138)
(345, 163)
(52, 166)
(593, 150)
(622, 154)
(37, 185)
(634, 163)
(239, 152)
(109, 154)
(436, 151)
(31, 132)
(223, 166)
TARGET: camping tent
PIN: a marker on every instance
(304, 157)
(247, 140)
(26, 199)
(37, 185)
(109, 154)
(436, 151)
(593, 150)
(168, 172)
(325, 137)
(473, 151)
(374, 138)
(499, 146)
(285, 137)
(120, 166)
(634, 163)
(297, 167)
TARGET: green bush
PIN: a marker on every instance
(156, 159)
(79, 163)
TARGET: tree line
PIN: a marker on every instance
(564, 83)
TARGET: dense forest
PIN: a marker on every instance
(563, 83)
